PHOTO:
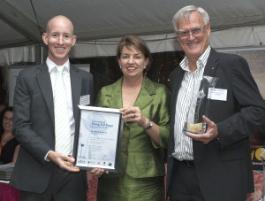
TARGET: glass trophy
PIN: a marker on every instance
(195, 124)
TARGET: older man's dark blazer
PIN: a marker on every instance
(34, 123)
(223, 166)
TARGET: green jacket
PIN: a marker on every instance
(138, 156)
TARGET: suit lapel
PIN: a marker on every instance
(175, 83)
(210, 70)
(116, 95)
(76, 84)
(176, 78)
(44, 81)
(145, 96)
(211, 66)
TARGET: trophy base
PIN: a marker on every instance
(195, 127)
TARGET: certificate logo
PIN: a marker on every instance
(97, 126)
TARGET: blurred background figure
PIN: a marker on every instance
(9, 146)
(9, 149)
(3, 106)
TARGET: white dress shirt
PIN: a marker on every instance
(52, 67)
(186, 104)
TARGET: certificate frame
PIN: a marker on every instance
(96, 145)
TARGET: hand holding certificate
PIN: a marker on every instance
(97, 143)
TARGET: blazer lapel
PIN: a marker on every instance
(211, 66)
(175, 83)
(76, 84)
(210, 70)
(143, 99)
(145, 96)
(44, 81)
(116, 94)
(175, 80)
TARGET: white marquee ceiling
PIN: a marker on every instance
(22, 21)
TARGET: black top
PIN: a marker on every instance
(8, 151)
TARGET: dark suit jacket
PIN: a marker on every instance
(223, 166)
(34, 123)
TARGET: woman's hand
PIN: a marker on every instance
(98, 172)
(133, 114)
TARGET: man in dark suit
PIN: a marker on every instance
(45, 169)
(210, 165)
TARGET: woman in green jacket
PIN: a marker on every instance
(143, 104)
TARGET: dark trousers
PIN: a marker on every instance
(63, 186)
(185, 184)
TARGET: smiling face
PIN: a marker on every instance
(59, 38)
(132, 62)
(193, 35)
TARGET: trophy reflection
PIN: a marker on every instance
(194, 123)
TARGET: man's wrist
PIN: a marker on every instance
(46, 158)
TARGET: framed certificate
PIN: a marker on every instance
(97, 142)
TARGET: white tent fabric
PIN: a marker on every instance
(242, 37)
(251, 36)
(99, 24)
(14, 55)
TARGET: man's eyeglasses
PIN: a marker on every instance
(183, 34)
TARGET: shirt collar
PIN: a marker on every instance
(201, 62)
(52, 66)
